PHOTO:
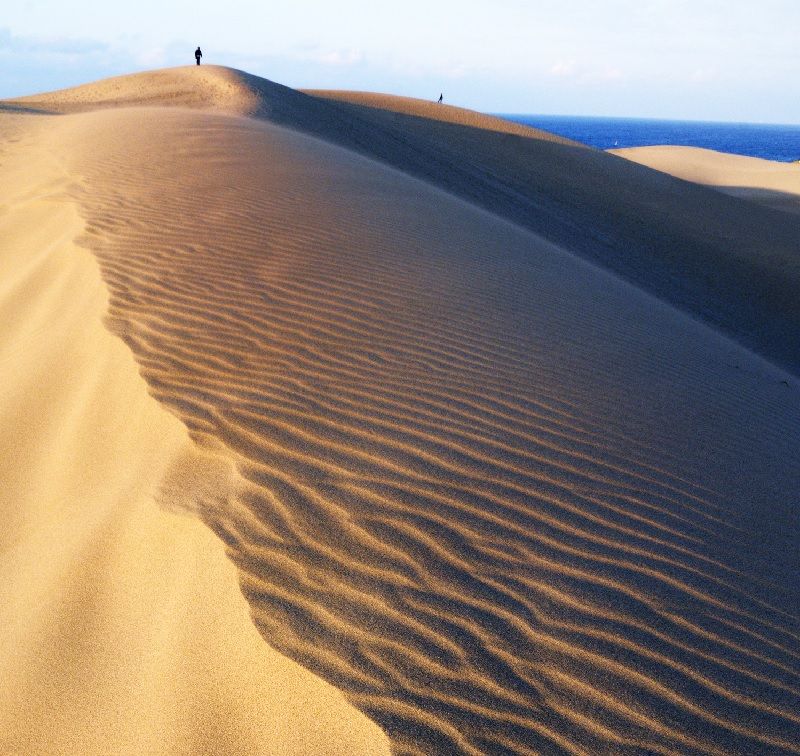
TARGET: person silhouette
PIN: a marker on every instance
(198, 53)
(441, 97)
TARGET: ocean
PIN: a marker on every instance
(773, 142)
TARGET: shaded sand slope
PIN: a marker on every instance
(771, 183)
(122, 626)
(505, 501)
(732, 265)
(395, 108)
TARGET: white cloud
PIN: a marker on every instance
(341, 57)
(585, 73)
(327, 56)
(154, 57)
(608, 73)
(703, 75)
(51, 46)
(564, 68)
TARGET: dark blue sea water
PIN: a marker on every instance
(768, 141)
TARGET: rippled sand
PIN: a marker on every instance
(503, 500)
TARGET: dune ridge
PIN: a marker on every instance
(501, 499)
(394, 107)
(736, 268)
(232, 91)
(122, 626)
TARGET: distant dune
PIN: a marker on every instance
(776, 185)
(470, 469)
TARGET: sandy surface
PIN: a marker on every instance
(738, 270)
(695, 248)
(391, 106)
(776, 185)
(123, 629)
(502, 499)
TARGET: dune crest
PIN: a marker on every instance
(732, 266)
(206, 87)
(434, 111)
(123, 628)
(237, 92)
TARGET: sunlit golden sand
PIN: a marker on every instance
(776, 185)
(502, 499)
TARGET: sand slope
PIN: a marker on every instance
(393, 108)
(776, 185)
(122, 627)
(505, 501)
(735, 268)
(691, 246)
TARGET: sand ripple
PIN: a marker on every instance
(504, 501)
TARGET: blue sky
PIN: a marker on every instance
(700, 59)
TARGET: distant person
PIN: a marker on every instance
(198, 53)
(441, 97)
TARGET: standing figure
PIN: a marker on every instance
(441, 97)
(198, 53)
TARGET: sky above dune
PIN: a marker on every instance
(698, 59)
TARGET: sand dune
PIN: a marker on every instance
(687, 245)
(504, 500)
(123, 628)
(207, 87)
(776, 185)
(389, 107)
